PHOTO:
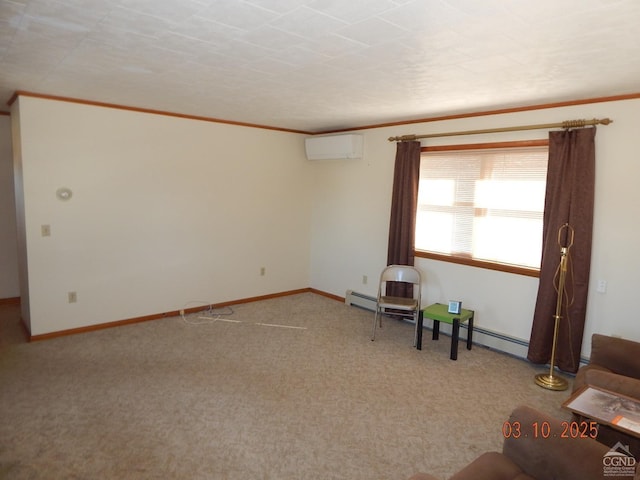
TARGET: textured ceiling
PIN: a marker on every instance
(318, 65)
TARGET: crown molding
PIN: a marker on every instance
(525, 108)
(22, 93)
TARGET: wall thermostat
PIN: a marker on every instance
(455, 307)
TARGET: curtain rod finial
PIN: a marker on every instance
(403, 138)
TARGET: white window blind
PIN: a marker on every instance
(484, 204)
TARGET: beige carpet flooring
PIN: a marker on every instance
(248, 400)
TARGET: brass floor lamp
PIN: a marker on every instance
(551, 381)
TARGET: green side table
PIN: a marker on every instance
(438, 313)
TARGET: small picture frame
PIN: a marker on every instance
(455, 307)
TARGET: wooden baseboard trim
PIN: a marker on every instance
(10, 301)
(326, 294)
(157, 316)
(262, 297)
(25, 329)
(100, 326)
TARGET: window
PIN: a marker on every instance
(483, 204)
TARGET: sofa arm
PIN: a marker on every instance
(613, 382)
(554, 457)
(619, 355)
(491, 466)
(581, 380)
(488, 466)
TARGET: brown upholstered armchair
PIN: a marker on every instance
(614, 365)
(533, 457)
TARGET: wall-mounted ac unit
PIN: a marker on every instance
(334, 147)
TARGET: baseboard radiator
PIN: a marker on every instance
(360, 300)
(487, 338)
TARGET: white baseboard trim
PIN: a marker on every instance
(516, 347)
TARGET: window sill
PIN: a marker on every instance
(501, 267)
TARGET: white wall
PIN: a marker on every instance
(351, 202)
(9, 286)
(164, 211)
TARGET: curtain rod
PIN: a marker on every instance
(566, 124)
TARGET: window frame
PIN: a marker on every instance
(464, 260)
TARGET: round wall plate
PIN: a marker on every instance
(64, 193)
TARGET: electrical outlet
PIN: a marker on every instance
(182, 313)
(45, 230)
(72, 297)
(365, 279)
